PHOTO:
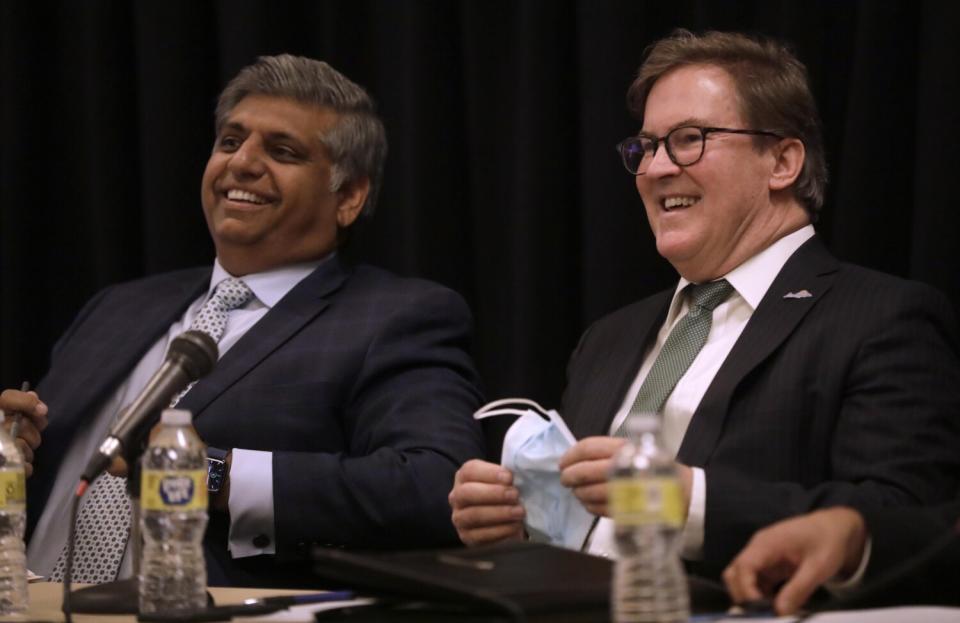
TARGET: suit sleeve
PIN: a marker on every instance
(900, 533)
(408, 425)
(894, 435)
(915, 555)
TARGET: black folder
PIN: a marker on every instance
(519, 582)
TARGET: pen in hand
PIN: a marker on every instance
(17, 416)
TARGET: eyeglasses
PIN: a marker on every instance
(684, 145)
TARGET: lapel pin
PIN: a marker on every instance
(801, 294)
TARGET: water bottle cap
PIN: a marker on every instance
(176, 417)
(640, 423)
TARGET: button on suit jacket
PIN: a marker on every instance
(357, 381)
(848, 396)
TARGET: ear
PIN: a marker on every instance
(789, 154)
(352, 196)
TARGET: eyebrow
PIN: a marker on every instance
(272, 137)
(689, 121)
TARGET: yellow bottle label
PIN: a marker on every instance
(13, 490)
(636, 502)
(184, 490)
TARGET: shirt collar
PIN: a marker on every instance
(272, 285)
(753, 278)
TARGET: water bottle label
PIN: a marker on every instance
(164, 490)
(13, 490)
(636, 502)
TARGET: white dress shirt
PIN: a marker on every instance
(750, 281)
(251, 472)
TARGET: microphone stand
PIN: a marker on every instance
(191, 356)
(119, 596)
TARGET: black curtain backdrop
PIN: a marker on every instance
(501, 182)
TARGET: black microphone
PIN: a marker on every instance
(191, 356)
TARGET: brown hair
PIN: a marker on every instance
(773, 90)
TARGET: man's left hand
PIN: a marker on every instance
(585, 468)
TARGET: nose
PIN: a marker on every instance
(661, 165)
(247, 160)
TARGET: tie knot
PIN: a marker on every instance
(230, 294)
(709, 295)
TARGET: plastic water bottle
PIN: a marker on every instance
(646, 502)
(173, 517)
(13, 507)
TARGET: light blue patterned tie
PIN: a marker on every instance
(103, 522)
(681, 348)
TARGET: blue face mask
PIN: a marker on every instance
(532, 449)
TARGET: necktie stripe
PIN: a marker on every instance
(680, 348)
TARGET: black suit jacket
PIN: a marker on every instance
(849, 396)
(915, 556)
(358, 381)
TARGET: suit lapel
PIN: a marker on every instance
(615, 367)
(811, 270)
(96, 367)
(301, 305)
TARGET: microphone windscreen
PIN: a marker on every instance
(196, 351)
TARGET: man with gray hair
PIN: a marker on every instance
(340, 407)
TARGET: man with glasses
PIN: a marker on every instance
(785, 380)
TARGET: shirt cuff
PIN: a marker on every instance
(838, 588)
(693, 530)
(251, 504)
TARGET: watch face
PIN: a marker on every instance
(215, 473)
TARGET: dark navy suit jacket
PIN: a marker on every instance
(850, 396)
(358, 381)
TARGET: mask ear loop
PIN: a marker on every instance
(510, 406)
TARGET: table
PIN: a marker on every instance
(45, 600)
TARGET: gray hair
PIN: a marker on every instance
(357, 144)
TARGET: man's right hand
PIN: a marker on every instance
(486, 505)
(34, 421)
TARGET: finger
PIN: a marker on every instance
(586, 473)
(28, 469)
(592, 494)
(39, 420)
(492, 535)
(476, 517)
(29, 433)
(600, 510)
(25, 402)
(811, 573)
(591, 448)
(476, 470)
(481, 494)
(25, 450)
(758, 565)
(741, 582)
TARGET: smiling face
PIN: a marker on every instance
(710, 217)
(266, 189)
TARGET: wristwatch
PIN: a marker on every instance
(216, 469)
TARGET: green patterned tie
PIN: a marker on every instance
(681, 348)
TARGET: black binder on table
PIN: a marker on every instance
(519, 582)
